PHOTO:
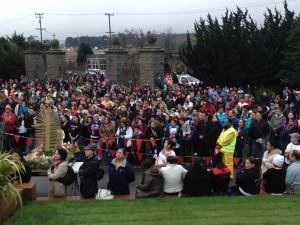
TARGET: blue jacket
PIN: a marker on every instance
(120, 178)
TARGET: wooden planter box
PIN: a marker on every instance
(7, 208)
(39, 172)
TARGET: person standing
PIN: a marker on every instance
(2, 131)
(75, 132)
(227, 142)
(124, 132)
(88, 172)
(21, 126)
(204, 136)
(275, 123)
(120, 174)
(258, 131)
(9, 119)
(241, 139)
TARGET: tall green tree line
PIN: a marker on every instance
(236, 51)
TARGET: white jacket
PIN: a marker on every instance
(173, 175)
(128, 135)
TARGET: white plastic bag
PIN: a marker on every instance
(104, 194)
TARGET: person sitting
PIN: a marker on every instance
(161, 160)
(152, 182)
(173, 175)
(25, 174)
(58, 169)
(274, 178)
(267, 160)
(248, 180)
(120, 174)
(196, 181)
(88, 172)
(219, 176)
(292, 178)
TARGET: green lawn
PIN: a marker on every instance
(214, 210)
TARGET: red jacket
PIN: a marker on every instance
(9, 120)
(211, 108)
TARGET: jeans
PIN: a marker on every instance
(259, 148)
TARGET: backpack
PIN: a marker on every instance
(69, 178)
(100, 173)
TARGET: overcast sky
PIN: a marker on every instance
(75, 18)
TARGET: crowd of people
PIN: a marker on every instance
(185, 121)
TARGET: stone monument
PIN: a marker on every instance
(35, 64)
(116, 58)
(151, 61)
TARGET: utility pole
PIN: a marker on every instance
(39, 15)
(109, 15)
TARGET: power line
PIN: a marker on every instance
(15, 20)
(39, 15)
(110, 32)
(215, 9)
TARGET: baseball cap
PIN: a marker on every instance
(295, 135)
(91, 146)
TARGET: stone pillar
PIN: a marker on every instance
(116, 59)
(55, 61)
(151, 63)
(34, 64)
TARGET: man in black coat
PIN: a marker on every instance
(258, 131)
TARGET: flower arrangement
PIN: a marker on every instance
(39, 159)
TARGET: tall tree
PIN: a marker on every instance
(237, 50)
(83, 50)
(290, 74)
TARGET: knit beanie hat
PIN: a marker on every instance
(278, 160)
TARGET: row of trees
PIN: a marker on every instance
(130, 39)
(236, 50)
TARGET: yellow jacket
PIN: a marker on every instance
(227, 140)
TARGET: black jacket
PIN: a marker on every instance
(249, 180)
(87, 174)
(258, 129)
(196, 183)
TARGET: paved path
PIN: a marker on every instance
(42, 182)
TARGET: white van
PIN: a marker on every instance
(95, 71)
(187, 80)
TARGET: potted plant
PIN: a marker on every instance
(9, 194)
